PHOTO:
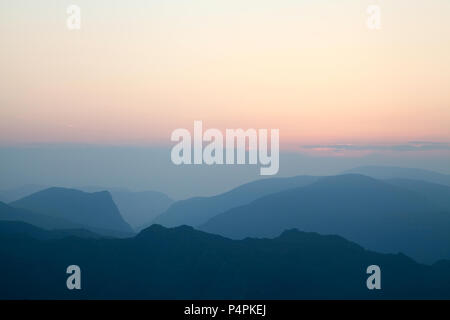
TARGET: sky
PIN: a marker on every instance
(137, 70)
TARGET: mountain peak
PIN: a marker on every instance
(157, 229)
(94, 210)
(68, 191)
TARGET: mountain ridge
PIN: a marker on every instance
(197, 210)
(353, 206)
(390, 172)
(184, 263)
(95, 210)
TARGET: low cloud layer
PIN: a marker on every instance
(409, 146)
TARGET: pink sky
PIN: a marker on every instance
(133, 74)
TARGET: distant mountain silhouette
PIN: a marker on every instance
(373, 213)
(198, 210)
(20, 192)
(19, 230)
(437, 193)
(141, 208)
(382, 172)
(95, 211)
(138, 208)
(183, 263)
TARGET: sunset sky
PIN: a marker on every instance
(139, 69)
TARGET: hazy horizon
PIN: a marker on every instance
(149, 168)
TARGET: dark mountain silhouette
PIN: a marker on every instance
(437, 193)
(373, 213)
(183, 263)
(20, 192)
(382, 172)
(8, 213)
(19, 230)
(198, 210)
(96, 211)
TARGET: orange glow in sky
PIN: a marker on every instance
(138, 70)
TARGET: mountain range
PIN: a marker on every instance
(390, 215)
(93, 211)
(8, 213)
(14, 194)
(437, 193)
(18, 230)
(198, 210)
(183, 263)
(377, 214)
(387, 172)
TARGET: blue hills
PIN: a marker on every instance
(282, 238)
(377, 214)
(93, 211)
(196, 211)
(183, 263)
